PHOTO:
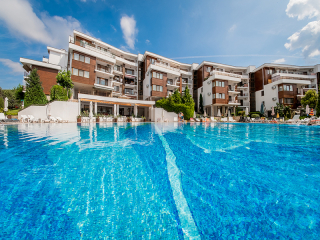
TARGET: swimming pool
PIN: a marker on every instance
(159, 181)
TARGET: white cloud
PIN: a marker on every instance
(16, 67)
(281, 60)
(128, 26)
(233, 27)
(147, 41)
(21, 20)
(303, 8)
(308, 38)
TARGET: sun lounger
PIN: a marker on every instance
(60, 120)
(2, 117)
(213, 119)
(53, 119)
(224, 119)
(231, 119)
(32, 119)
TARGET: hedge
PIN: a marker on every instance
(57, 92)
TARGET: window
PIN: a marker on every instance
(208, 69)
(213, 96)
(287, 88)
(280, 88)
(87, 60)
(213, 84)
(80, 73)
(223, 96)
(262, 93)
(222, 84)
(117, 68)
(75, 71)
(116, 88)
(281, 100)
(86, 74)
(151, 60)
(157, 88)
(102, 81)
(154, 87)
(76, 56)
(129, 71)
(288, 100)
(81, 58)
(154, 74)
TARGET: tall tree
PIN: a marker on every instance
(34, 91)
(201, 104)
(19, 94)
(64, 79)
(310, 99)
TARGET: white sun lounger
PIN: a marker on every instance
(231, 119)
(60, 119)
(213, 119)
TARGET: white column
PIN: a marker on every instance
(79, 110)
(212, 110)
(118, 109)
(95, 107)
(114, 110)
(135, 110)
(234, 110)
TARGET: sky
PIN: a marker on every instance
(239, 33)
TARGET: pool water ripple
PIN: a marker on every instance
(159, 181)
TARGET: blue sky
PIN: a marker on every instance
(234, 32)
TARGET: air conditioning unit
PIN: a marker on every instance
(274, 87)
(274, 99)
(209, 82)
(147, 85)
(209, 93)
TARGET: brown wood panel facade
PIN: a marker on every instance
(224, 90)
(47, 78)
(159, 82)
(86, 67)
(289, 94)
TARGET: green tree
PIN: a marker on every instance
(19, 94)
(64, 79)
(34, 91)
(1, 103)
(57, 92)
(310, 99)
(318, 107)
(201, 104)
(10, 94)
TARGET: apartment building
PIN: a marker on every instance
(284, 84)
(112, 76)
(48, 68)
(223, 87)
(162, 76)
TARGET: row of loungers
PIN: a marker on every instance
(110, 119)
(32, 119)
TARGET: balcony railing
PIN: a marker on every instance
(103, 82)
(130, 92)
(165, 66)
(225, 74)
(95, 49)
(280, 76)
(243, 86)
(170, 82)
(233, 101)
(313, 86)
(117, 90)
(106, 70)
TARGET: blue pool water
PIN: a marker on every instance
(159, 181)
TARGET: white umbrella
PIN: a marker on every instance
(48, 111)
(194, 115)
(219, 113)
(307, 109)
(205, 113)
(229, 114)
(90, 114)
(5, 104)
(272, 111)
(247, 111)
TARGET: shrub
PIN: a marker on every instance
(1, 102)
(57, 92)
(242, 113)
(255, 115)
(175, 103)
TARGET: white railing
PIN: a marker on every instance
(168, 67)
(233, 101)
(280, 76)
(98, 50)
(225, 74)
(109, 84)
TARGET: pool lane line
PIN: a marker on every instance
(189, 227)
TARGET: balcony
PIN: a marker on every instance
(185, 81)
(117, 81)
(233, 90)
(104, 70)
(233, 102)
(117, 91)
(243, 86)
(103, 84)
(224, 76)
(128, 62)
(164, 68)
(243, 96)
(310, 86)
(130, 92)
(293, 78)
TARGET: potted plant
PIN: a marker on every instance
(79, 119)
(144, 118)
